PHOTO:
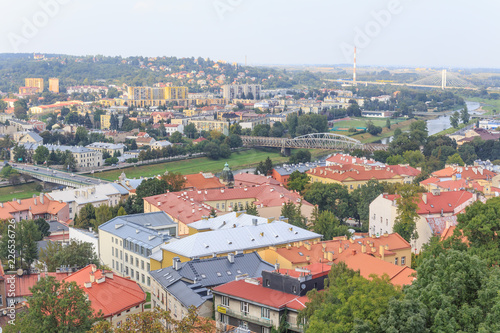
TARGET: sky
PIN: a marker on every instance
(399, 33)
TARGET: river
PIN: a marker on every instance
(442, 122)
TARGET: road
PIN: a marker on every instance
(56, 176)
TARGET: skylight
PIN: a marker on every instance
(203, 276)
(219, 274)
(229, 273)
(301, 254)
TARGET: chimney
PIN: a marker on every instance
(92, 277)
(42, 196)
(230, 257)
(330, 256)
(19, 201)
(1, 204)
(382, 251)
(254, 222)
(307, 245)
(340, 249)
(88, 284)
(176, 263)
(424, 198)
(34, 201)
(363, 248)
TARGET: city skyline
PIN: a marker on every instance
(393, 33)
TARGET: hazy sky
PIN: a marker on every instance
(437, 33)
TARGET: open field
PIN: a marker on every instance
(242, 160)
(368, 138)
(23, 191)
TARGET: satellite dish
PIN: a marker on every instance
(303, 286)
(20, 272)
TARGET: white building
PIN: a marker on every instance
(172, 128)
(437, 211)
(86, 236)
(104, 194)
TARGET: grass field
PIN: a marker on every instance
(368, 138)
(361, 122)
(242, 160)
(23, 191)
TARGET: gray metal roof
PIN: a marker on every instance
(239, 239)
(73, 149)
(106, 145)
(287, 169)
(120, 188)
(226, 221)
(207, 273)
(140, 228)
(35, 136)
(55, 226)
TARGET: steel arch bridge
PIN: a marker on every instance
(309, 141)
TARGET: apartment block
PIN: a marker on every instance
(34, 83)
(54, 85)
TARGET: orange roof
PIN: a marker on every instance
(404, 170)
(24, 283)
(249, 179)
(448, 232)
(430, 180)
(200, 181)
(464, 172)
(341, 248)
(110, 293)
(445, 202)
(348, 159)
(33, 205)
(368, 265)
(352, 172)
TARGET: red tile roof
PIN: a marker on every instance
(24, 283)
(112, 295)
(33, 205)
(352, 172)
(446, 202)
(404, 170)
(348, 159)
(200, 139)
(464, 173)
(249, 179)
(201, 181)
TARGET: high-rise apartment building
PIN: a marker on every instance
(248, 91)
(54, 85)
(153, 96)
(35, 83)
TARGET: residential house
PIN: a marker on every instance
(202, 181)
(114, 296)
(437, 210)
(182, 285)
(42, 206)
(110, 148)
(282, 173)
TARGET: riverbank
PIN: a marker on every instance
(488, 106)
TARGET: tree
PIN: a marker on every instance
(74, 254)
(175, 180)
(190, 131)
(55, 307)
(349, 303)
(297, 181)
(20, 153)
(293, 213)
(395, 160)
(332, 197)
(233, 129)
(43, 227)
(372, 129)
(251, 209)
(414, 158)
(388, 123)
(455, 159)
(407, 216)
(264, 167)
(21, 112)
(175, 137)
(300, 156)
(454, 292)
(454, 119)
(419, 132)
(86, 214)
(68, 161)
(25, 237)
(213, 213)
(464, 115)
(103, 214)
(81, 136)
(234, 141)
(159, 321)
(41, 154)
(261, 130)
(326, 224)
(212, 150)
(362, 198)
(402, 143)
(121, 212)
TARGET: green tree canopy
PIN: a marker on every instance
(297, 181)
(326, 224)
(407, 203)
(332, 197)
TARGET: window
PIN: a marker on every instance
(374, 216)
(137, 275)
(175, 310)
(121, 254)
(131, 260)
(386, 222)
(351, 187)
(112, 251)
(121, 267)
(223, 205)
(126, 270)
(113, 263)
(224, 300)
(403, 261)
(381, 220)
(224, 319)
(142, 278)
(131, 273)
(395, 261)
(126, 257)
(244, 307)
(265, 313)
(266, 330)
(217, 206)
(149, 281)
(142, 264)
(1, 300)
(137, 262)
(147, 265)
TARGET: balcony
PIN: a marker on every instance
(246, 317)
(295, 327)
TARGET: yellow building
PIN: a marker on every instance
(352, 176)
(105, 121)
(152, 96)
(34, 83)
(204, 245)
(211, 125)
(54, 85)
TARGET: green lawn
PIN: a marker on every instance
(361, 122)
(245, 159)
(23, 191)
(241, 160)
